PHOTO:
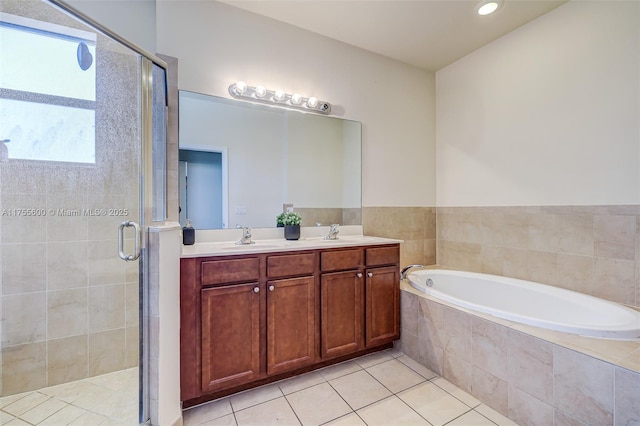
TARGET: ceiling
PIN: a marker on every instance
(429, 34)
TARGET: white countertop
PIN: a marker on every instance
(217, 243)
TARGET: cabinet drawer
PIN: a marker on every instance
(340, 260)
(230, 271)
(290, 265)
(382, 255)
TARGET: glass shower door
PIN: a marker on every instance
(71, 132)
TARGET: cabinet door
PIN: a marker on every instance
(230, 336)
(382, 305)
(342, 313)
(291, 324)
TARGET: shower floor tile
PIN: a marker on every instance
(110, 399)
(393, 388)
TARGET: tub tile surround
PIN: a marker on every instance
(416, 226)
(590, 249)
(531, 375)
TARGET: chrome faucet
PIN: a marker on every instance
(246, 237)
(333, 232)
(405, 270)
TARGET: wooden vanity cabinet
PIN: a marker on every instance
(251, 319)
(361, 305)
(291, 312)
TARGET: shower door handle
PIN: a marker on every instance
(136, 252)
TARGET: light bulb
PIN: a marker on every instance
(279, 95)
(260, 91)
(241, 87)
(296, 99)
(488, 8)
(312, 102)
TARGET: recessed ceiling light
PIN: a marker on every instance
(488, 6)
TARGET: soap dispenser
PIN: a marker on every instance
(188, 234)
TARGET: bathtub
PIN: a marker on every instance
(530, 303)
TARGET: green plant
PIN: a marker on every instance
(290, 218)
(280, 219)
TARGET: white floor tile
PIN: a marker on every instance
(228, 420)
(434, 404)
(494, 416)
(395, 376)
(351, 419)
(25, 404)
(391, 411)
(207, 412)
(359, 389)
(63, 417)
(373, 359)
(274, 412)
(456, 391)
(254, 397)
(318, 404)
(417, 367)
(40, 412)
(472, 418)
(339, 370)
(297, 383)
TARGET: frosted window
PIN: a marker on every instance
(47, 91)
(57, 134)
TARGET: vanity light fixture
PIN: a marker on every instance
(487, 7)
(241, 90)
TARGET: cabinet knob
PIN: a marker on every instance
(359, 275)
(369, 274)
(256, 289)
(271, 288)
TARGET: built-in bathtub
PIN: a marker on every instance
(530, 303)
(533, 375)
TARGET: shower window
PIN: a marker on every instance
(47, 91)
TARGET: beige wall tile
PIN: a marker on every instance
(66, 313)
(23, 318)
(67, 359)
(489, 348)
(22, 229)
(104, 265)
(575, 272)
(627, 401)
(614, 280)
(525, 409)
(66, 265)
(68, 223)
(544, 232)
(489, 389)
(530, 365)
(516, 229)
(23, 368)
(458, 372)
(491, 260)
(583, 387)
(106, 352)
(576, 234)
(132, 347)
(409, 308)
(614, 236)
(106, 307)
(132, 305)
(24, 268)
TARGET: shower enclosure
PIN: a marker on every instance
(81, 114)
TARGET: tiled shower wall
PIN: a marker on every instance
(590, 249)
(69, 304)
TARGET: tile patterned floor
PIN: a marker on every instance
(108, 400)
(385, 388)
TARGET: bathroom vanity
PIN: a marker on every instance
(275, 310)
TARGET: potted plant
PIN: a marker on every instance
(291, 222)
(280, 220)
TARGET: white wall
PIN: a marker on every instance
(546, 115)
(135, 20)
(217, 45)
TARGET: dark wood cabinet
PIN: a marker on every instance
(291, 324)
(342, 313)
(250, 319)
(230, 345)
(382, 305)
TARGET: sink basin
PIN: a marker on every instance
(253, 246)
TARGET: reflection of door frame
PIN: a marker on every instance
(223, 151)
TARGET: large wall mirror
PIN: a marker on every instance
(241, 163)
